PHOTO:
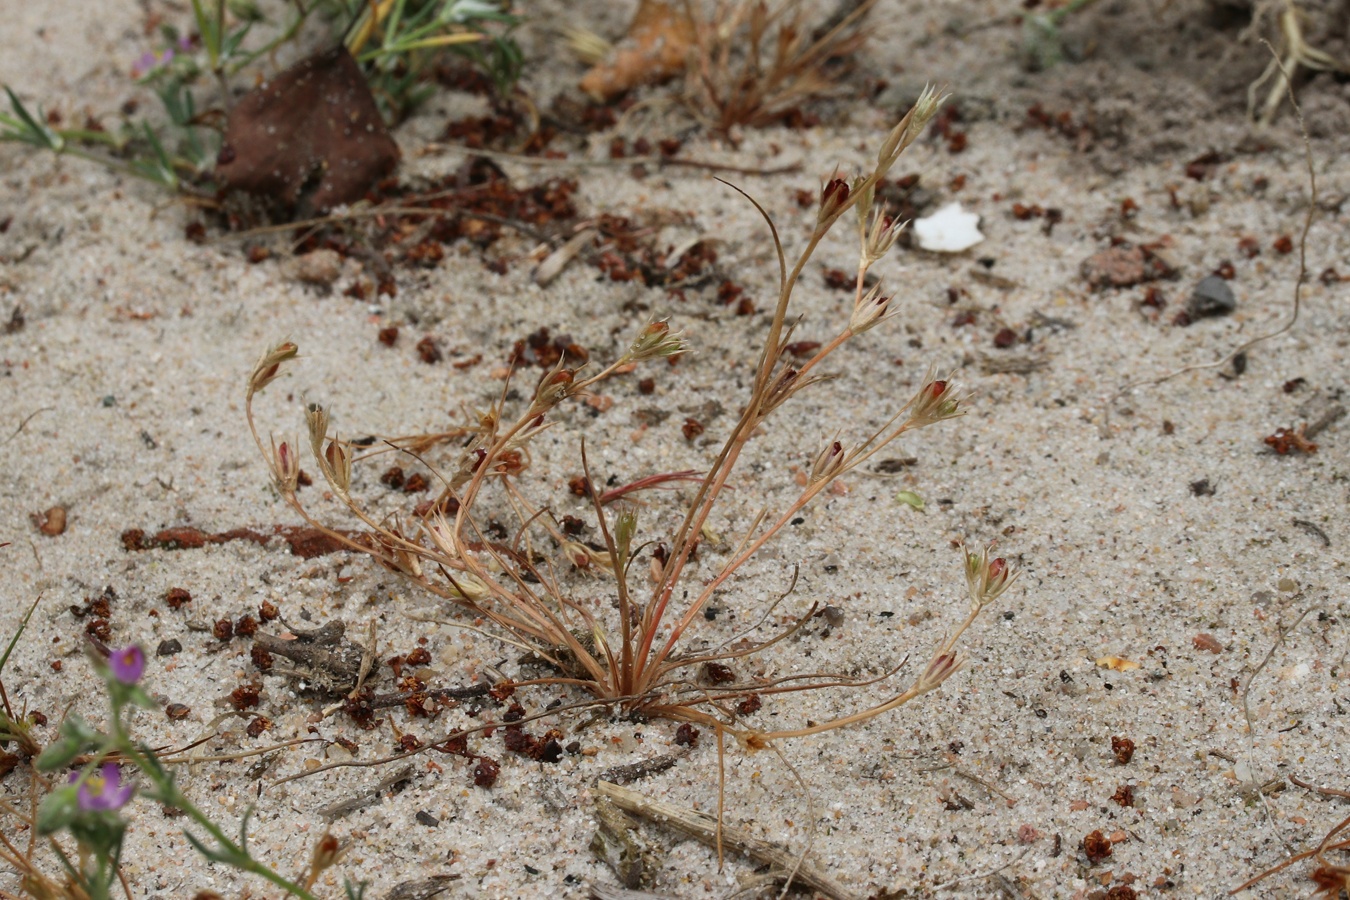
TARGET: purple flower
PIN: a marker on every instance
(167, 57)
(127, 664)
(143, 65)
(102, 790)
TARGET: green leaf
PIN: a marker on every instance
(911, 499)
(233, 40)
(76, 738)
(28, 129)
(58, 809)
(14, 640)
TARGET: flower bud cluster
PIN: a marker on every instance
(334, 457)
(657, 341)
(829, 462)
(943, 666)
(285, 468)
(833, 198)
(879, 237)
(869, 310)
(987, 578)
(908, 129)
(554, 388)
(269, 366)
(937, 400)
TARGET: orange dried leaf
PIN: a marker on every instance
(1117, 664)
(655, 50)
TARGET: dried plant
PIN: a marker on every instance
(633, 653)
(751, 64)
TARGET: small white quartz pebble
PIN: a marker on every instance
(949, 230)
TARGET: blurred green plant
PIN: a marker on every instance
(1042, 40)
(107, 769)
(397, 42)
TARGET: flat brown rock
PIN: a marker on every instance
(313, 134)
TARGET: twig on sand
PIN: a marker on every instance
(704, 828)
(980, 876)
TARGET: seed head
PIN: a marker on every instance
(937, 400)
(553, 388)
(338, 457)
(833, 197)
(327, 852)
(880, 237)
(625, 529)
(908, 129)
(869, 310)
(269, 366)
(830, 462)
(285, 468)
(470, 587)
(987, 578)
(944, 665)
(657, 341)
(316, 417)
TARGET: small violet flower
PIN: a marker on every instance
(103, 790)
(127, 664)
(143, 65)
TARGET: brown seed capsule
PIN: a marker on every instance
(268, 611)
(691, 428)
(223, 629)
(1096, 847)
(258, 726)
(244, 697)
(428, 350)
(1123, 749)
(1207, 642)
(717, 673)
(52, 522)
(176, 597)
(177, 711)
(486, 772)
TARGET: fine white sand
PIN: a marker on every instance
(121, 401)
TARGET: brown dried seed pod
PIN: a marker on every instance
(1097, 847)
(1123, 749)
(52, 522)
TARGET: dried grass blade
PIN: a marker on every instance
(704, 828)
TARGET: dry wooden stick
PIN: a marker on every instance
(704, 828)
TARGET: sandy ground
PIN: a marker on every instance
(122, 402)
